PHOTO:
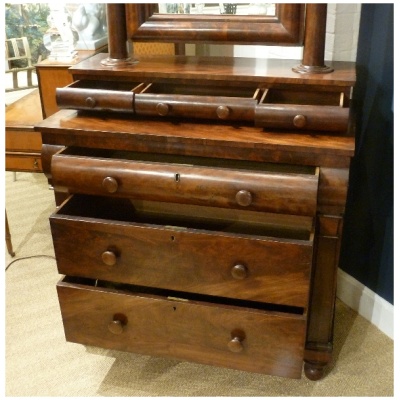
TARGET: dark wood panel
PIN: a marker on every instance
(194, 331)
(163, 251)
(232, 71)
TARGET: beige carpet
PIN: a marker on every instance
(40, 363)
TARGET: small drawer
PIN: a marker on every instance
(229, 254)
(224, 334)
(197, 101)
(23, 162)
(98, 96)
(190, 180)
(289, 109)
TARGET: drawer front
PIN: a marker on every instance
(176, 257)
(220, 335)
(23, 162)
(224, 108)
(23, 140)
(325, 118)
(286, 193)
(95, 99)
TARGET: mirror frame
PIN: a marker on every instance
(285, 28)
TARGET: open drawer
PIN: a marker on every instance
(270, 108)
(158, 323)
(295, 109)
(222, 183)
(161, 99)
(99, 95)
(232, 254)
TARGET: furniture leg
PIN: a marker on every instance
(8, 239)
(322, 303)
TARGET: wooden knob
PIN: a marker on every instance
(235, 345)
(116, 326)
(239, 271)
(223, 112)
(109, 258)
(299, 121)
(90, 102)
(162, 109)
(244, 198)
(110, 184)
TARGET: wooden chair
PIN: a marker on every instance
(18, 49)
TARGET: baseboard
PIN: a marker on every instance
(367, 303)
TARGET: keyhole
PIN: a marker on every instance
(172, 238)
(177, 177)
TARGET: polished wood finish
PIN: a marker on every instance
(314, 41)
(55, 74)
(225, 233)
(143, 322)
(166, 255)
(189, 180)
(22, 144)
(215, 70)
(286, 27)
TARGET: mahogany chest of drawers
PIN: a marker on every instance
(203, 209)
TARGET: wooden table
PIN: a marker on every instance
(23, 144)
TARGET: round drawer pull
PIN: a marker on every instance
(110, 184)
(244, 198)
(90, 102)
(109, 258)
(162, 109)
(116, 326)
(239, 271)
(235, 345)
(223, 112)
(299, 121)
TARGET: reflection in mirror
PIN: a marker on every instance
(217, 8)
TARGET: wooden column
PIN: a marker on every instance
(314, 41)
(117, 36)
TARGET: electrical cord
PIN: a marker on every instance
(28, 257)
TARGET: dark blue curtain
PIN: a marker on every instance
(367, 247)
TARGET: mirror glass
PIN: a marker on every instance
(218, 8)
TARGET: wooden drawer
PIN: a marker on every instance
(235, 255)
(155, 323)
(198, 101)
(23, 162)
(265, 107)
(98, 96)
(161, 99)
(291, 109)
(191, 180)
(23, 140)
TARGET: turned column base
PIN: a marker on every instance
(317, 356)
(118, 62)
(312, 69)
